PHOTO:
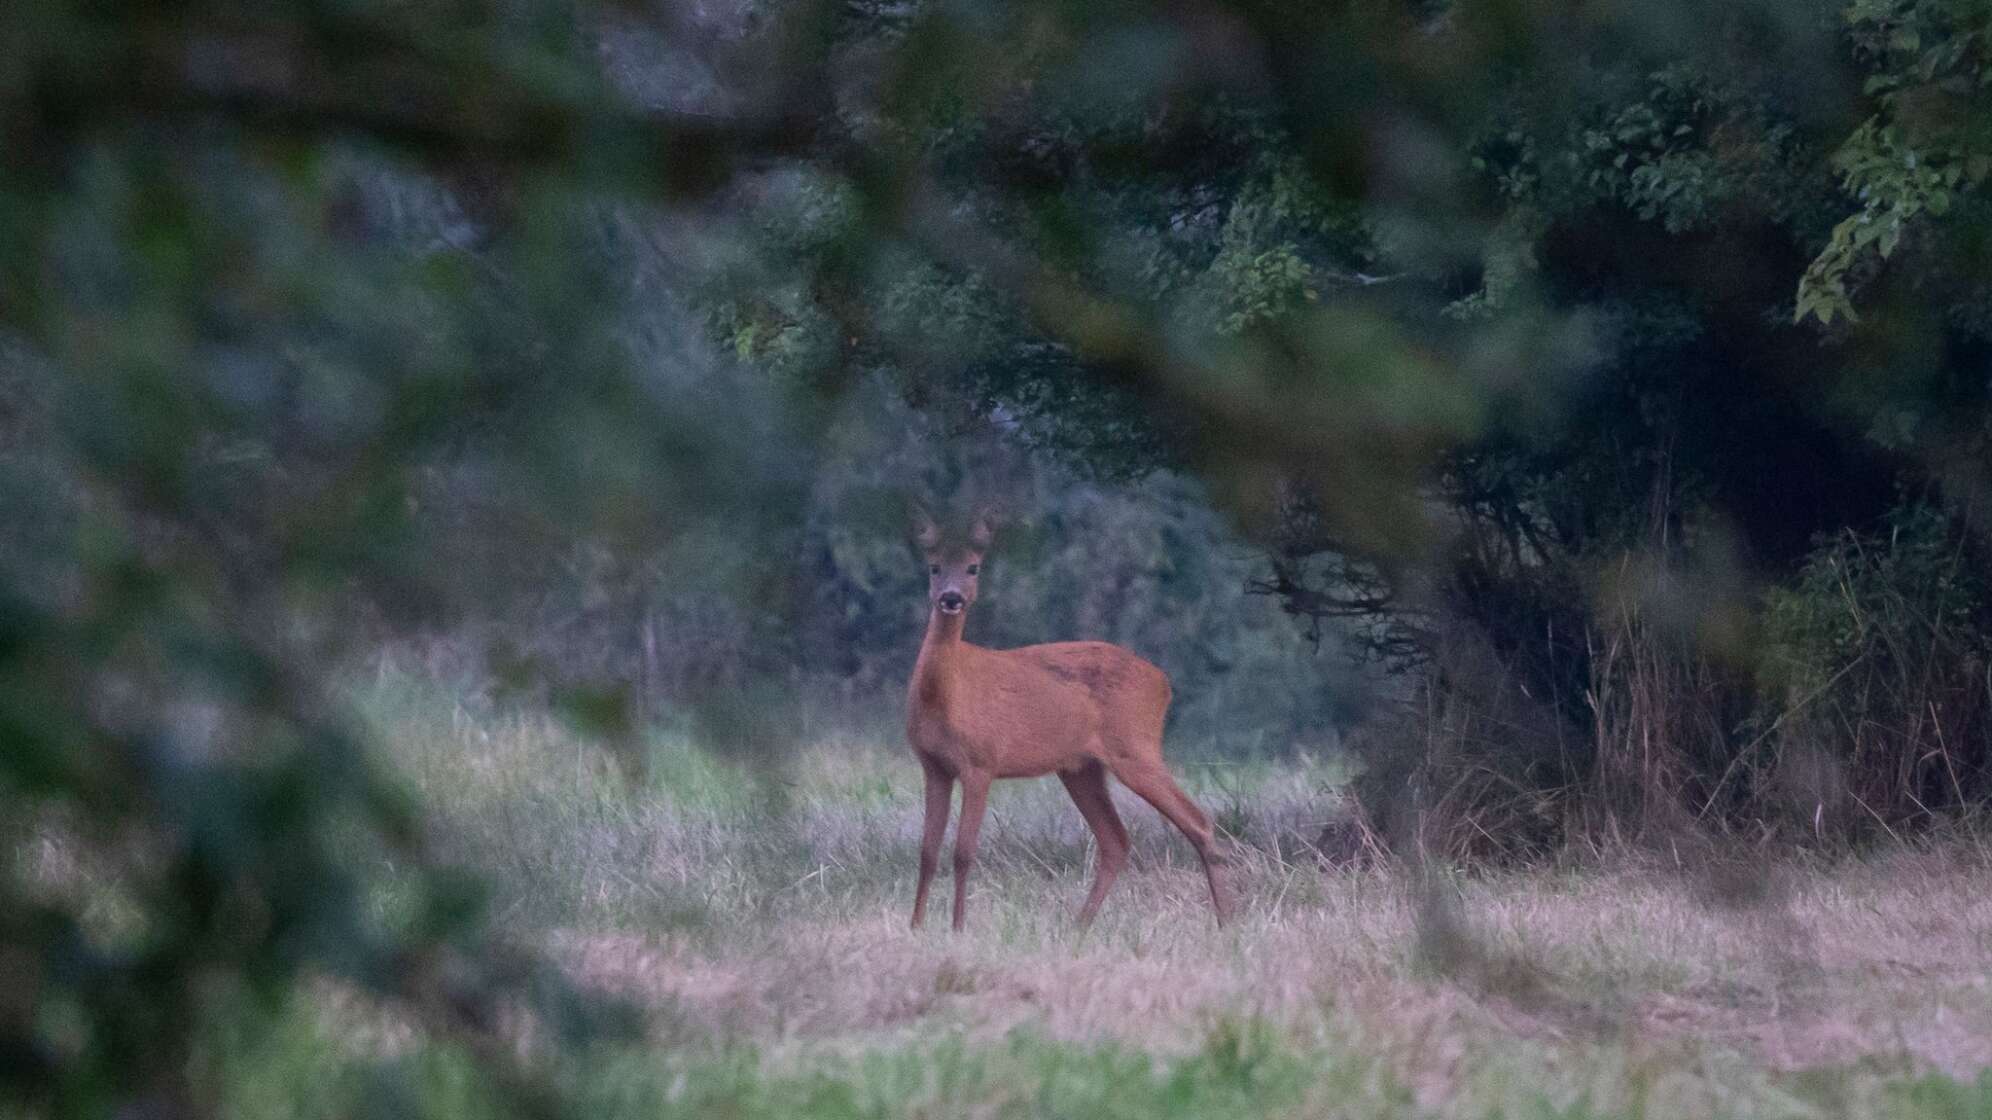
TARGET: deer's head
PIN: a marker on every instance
(954, 566)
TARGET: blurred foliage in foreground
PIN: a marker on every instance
(1571, 359)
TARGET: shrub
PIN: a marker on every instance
(1875, 679)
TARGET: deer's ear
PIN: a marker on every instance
(926, 533)
(982, 529)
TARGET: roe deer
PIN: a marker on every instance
(1076, 709)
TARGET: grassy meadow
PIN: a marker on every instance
(758, 918)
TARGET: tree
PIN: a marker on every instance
(1495, 330)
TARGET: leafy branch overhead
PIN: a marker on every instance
(1927, 147)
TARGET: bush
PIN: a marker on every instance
(1876, 671)
(1862, 709)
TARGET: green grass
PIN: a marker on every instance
(1244, 1070)
(758, 917)
(1241, 1069)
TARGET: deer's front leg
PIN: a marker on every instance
(974, 799)
(940, 791)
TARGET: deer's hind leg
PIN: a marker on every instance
(1156, 786)
(1088, 787)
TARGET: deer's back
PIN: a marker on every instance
(1112, 675)
(1038, 709)
(1129, 695)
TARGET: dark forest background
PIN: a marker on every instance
(1583, 408)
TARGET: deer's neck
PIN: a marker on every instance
(939, 665)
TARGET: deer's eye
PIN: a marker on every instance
(974, 568)
(933, 569)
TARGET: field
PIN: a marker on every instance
(758, 915)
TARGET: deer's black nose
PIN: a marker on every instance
(951, 601)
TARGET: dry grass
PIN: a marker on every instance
(767, 909)
(1873, 962)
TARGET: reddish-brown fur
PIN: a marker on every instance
(1080, 710)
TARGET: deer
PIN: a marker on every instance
(1080, 710)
